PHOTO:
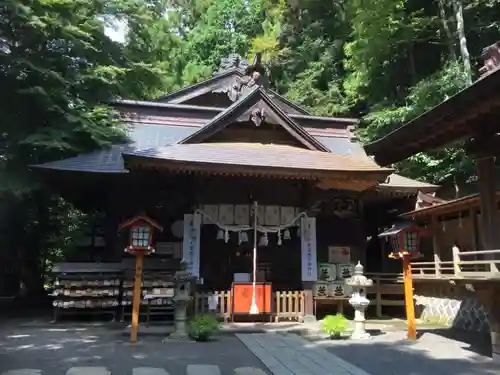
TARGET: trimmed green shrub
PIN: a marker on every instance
(335, 325)
(203, 327)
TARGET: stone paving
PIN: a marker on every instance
(97, 370)
(103, 350)
(292, 355)
(100, 350)
(389, 353)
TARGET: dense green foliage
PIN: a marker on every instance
(386, 61)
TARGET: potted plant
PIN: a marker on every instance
(335, 325)
(203, 327)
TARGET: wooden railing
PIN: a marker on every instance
(287, 305)
(424, 270)
(387, 291)
(223, 306)
(462, 266)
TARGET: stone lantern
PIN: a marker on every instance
(182, 296)
(358, 301)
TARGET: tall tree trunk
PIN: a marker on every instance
(464, 51)
(446, 27)
(411, 56)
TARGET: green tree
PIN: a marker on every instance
(57, 67)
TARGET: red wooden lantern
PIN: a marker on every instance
(405, 240)
(141, 234)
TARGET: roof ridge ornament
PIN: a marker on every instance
(232, 61)
(255, 76)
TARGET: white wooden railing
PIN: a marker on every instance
(462, 266)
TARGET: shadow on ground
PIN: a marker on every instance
(56, 349)
(436, 352)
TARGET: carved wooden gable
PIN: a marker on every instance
(255, 118)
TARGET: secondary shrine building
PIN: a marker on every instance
(200, 159)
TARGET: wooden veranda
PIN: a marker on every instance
(471, 116)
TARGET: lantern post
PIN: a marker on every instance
(141, 229)
(405, 240)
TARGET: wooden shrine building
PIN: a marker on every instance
(199, 159)
(472, 287)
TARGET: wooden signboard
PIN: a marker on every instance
(242, 297)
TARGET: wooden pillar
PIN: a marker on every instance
(489, 212)
(495, 324)
(476, 241)
(435, 245)
(136, 298)
(456, 259)
(489, 296)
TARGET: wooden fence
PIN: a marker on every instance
(485, 266)
(387, 291)
(289, 305)
(286, 305)
(223, 309)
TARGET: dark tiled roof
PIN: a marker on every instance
(142, 137)
(104, 161)
(344, 146)
(152, 135)
(258, 155)
(149, 136)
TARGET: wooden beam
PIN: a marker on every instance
(490, 219)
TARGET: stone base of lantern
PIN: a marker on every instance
(359, 332)
(180, 318)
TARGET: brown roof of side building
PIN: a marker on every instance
(447, 208)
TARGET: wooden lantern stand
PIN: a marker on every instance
(405, 239)
(141, 235)
(408, 288)
(136, 296)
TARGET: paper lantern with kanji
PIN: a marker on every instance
(141, 229)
